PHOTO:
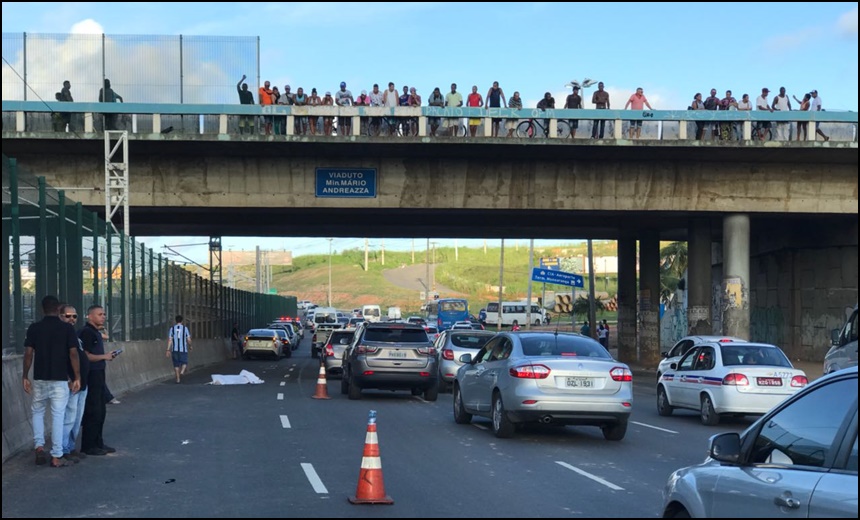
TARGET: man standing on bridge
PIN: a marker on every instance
(245, 98)
(600, 99)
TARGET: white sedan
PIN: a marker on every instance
(737, 378)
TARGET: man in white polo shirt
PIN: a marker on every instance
(815, 106)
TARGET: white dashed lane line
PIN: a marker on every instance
(285, 421)
(313, 478)
(655, 427)
(283, 383)
(586, 474)
(280, 397)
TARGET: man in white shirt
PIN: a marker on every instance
(761, 103)
(782, 104)
(815, 106)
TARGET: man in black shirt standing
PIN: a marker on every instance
(94, 412)
(52, 344)
(245, 98)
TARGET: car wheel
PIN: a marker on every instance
(709, 416)
(615, 432)
(663, 406)
(344, 385)
(432, 393)
(354, 391)
(681, 513)
(502, 426)
(461, 416)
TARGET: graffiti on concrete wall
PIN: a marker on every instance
(734, 294)
(673, 326)
(767, 325)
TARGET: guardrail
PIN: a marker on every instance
(149, 118)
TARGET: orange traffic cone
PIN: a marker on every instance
(322, 388)
(371, 489)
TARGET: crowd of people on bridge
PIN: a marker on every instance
(268, 95)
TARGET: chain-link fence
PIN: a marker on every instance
(52, 245)
(141, 68)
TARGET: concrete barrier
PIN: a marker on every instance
(141, 363)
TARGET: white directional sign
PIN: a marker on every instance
(557, 277)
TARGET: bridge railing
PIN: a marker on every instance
(21, 117)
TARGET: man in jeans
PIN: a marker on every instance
(50, 347)
(600, 99)
(75, 407)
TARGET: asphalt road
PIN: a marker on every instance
(271, 450)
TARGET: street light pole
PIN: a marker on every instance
(329, 272)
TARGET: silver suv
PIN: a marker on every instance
(393, 356)
(843, 346)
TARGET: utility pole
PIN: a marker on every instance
(427, 263)
(529, 296)
(456, 251)
(434, 267)
(383, 251)
(365, 255)
(329, 272)
(591, 314)
(413, 250)
(259, 279)
(485, 246)
(501, 283)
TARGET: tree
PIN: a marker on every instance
(580, 306)
(673, 265)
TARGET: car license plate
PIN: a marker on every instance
(769, 381)
(579, 382)
(397, 354)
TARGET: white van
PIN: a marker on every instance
(371, 313)
(514, 311)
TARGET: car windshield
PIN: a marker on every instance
(749, 355)
(558, 345)
(474, 341)
(396, 335)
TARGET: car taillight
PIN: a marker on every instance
(621, 374)
(365, 349)
(246, 338)
(285, 341)
(427, 351)
(329, 351)
(736, 380)
(530, 372)
(448, 354)
(799, 381)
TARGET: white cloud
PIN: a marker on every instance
(88, 26)
(847, 23)
(790, 41)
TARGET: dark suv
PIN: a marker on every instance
(394, 356)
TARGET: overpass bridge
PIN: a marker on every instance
(771, 226)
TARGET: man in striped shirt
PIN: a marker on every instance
(178, 347)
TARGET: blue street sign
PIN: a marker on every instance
(346, 182)
(550, 263)
(557, 277)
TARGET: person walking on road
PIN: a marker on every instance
(178, 347)
(50, 346)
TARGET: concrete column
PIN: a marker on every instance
(649, 299)
(20, 124)
(617, 130)
(747, 130)
(422, 126)
(625, 339)
(736, 274)
(682, 130)
(699, 278)
(488, 126)
(222, 124)
(88, 122)
(156, 123)
(553, 133)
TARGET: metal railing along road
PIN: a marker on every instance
(144, 119)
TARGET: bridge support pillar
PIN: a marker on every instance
(626, 299)
(736, 273)
(699, 278)
(649, 299)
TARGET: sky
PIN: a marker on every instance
(670, 50)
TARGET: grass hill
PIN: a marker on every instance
(470, 272)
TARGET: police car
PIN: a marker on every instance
(737, 378)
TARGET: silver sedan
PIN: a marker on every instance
(558, 378)
(452, 344)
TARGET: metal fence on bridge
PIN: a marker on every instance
(52, 245)
(142, 68)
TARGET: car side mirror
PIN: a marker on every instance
(466, 358)
(725, 447)
(674, 366)
(664, 354)
(834, 337)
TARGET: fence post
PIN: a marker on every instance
(17, 295)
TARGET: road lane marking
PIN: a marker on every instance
(285, 421)
(586, 474)
(314, 479)
(655, 427)
(280, 397)
(283, 383)
(480, 426)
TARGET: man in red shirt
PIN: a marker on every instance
(266, 98)
(637, 101)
